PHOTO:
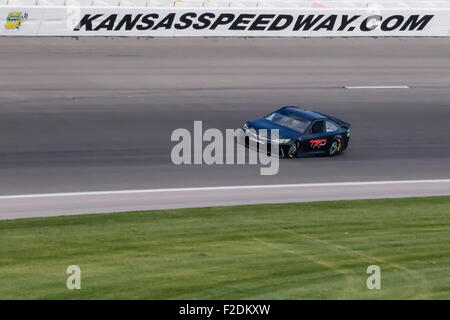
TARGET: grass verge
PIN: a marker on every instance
(285, 251)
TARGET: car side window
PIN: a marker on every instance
(318, 127)
(331, 126)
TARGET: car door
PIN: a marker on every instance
(317, 138)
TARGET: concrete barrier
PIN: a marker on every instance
(112, 18)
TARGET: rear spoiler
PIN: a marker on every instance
(340, 122)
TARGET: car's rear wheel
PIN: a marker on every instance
(293, 149)
(335, 147)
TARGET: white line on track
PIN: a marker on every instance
(265, 186)
(376, 87)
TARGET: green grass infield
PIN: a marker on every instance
(315, 250)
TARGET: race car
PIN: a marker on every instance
(301, 132)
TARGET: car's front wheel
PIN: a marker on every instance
(293, 149)
(335, 147)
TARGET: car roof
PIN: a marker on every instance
(306, 114)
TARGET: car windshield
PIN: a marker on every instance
(296, 124)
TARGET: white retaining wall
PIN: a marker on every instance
(112, 20)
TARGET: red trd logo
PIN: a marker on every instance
(317, 143)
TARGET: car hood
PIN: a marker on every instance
(284, 132)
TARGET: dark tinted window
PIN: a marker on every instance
(318, 127)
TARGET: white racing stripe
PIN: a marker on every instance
(377, 87)
(267, 186)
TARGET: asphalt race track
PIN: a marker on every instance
(97, 114)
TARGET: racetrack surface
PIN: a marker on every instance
(97, 114)
(44, 205)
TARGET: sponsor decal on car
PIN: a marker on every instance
(317, 143)
(15, 19)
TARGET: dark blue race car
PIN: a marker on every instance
(301, 132)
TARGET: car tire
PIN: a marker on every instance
(335, 147)
(293, 149)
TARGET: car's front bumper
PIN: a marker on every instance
(254, 143)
